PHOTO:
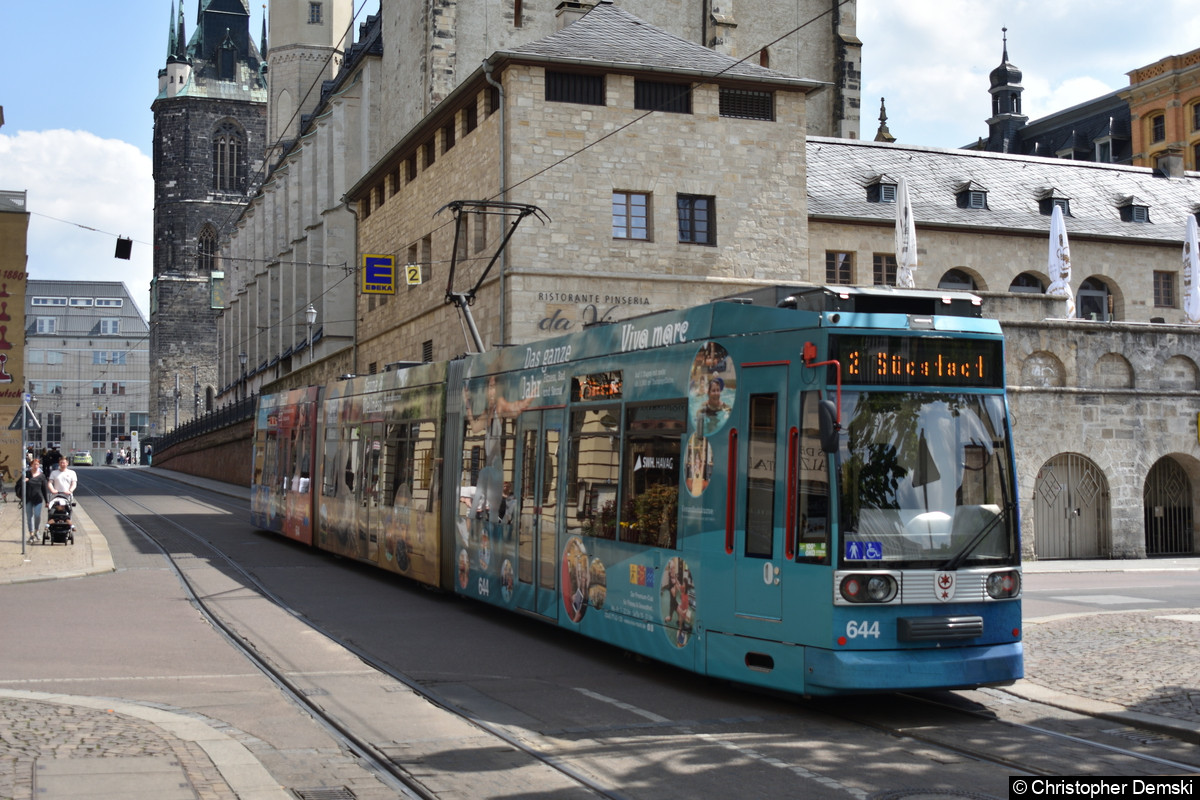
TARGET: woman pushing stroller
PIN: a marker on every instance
(33, 492)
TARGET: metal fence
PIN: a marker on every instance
(232, 414)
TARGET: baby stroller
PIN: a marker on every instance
(59, 528)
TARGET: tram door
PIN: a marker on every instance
(758, 519)
(369, 523)
(538, 438)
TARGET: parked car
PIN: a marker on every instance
(81, 458)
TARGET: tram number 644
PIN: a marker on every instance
(867, 629)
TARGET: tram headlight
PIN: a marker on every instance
(869, 588)
(1003, 585)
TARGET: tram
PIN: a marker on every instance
(809, 489)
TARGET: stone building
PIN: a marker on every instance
(617, 132)
(1105, 405)
(209, 140)
(294, 243)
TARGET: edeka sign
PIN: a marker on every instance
(378, 274)
(569, 311)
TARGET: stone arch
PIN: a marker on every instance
(1168, 505)
(1092, 296)
(1030, 282)
(1179, 373)
(1072, 509)
(962, 278)
(1112, 371)
(206, 249)
(1043, 369)
(229, 157)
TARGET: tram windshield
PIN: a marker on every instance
(924, 480)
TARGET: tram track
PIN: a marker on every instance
(377, 762)
(1010, 745)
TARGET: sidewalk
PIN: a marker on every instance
(1127, 667)
(134, 750)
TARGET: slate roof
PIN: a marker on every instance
(839, 171)
(608, 37)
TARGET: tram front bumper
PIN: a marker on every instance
(839, 672)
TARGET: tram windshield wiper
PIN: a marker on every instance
(956, 560)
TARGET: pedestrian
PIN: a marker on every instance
(32, 489)
(149, 453)
(63, 480)
(108, 458)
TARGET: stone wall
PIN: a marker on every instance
(225, 455)
(1122, 396)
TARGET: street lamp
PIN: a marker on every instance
(310, 314)
(242, 360)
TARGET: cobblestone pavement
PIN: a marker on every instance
(31, 730)
(1146, 662)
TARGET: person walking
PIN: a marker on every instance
(33, 491)
(63, 480)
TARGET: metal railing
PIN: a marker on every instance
(231, 414)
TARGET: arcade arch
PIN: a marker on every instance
(1072, 509)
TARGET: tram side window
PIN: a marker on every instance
(408, 463)
(652, 470)
(760, 480)
(265, 443)
(593, 470)
(487, 468)
(812, 488)
(330, 470)
(301, 475)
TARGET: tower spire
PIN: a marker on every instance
(171, 33)
(181, 37)
(262, 48)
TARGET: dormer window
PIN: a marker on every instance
(1051, 198)
(881, 190)
(1134, 209)
(971, 195)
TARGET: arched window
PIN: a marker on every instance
(229, 159)
(1092, 300)
(1027, 282)
(206, 249)
(957, 279)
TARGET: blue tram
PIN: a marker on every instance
(810, 489)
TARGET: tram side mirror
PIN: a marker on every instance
(827, 414)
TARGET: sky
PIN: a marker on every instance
(78, 79)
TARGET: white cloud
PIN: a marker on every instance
(83, 192)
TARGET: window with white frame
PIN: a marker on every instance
(49, 301)
(47, 324)
(110, 302)
(110, 325)
(81, 302)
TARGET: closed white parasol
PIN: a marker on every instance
(1060, 262)
(906, 239)
(1191, 273)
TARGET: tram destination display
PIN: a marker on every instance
(919, 361)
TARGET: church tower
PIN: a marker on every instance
(309, 41)
(1006, 119)
(209, 141)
